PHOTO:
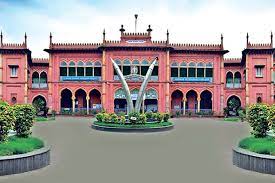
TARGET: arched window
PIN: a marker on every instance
(192, 69)
(118, 62)
(174, 69)
(126, 67)
(63, 69)
(237, 80)
(35, 78)
(200, 69)
(259, 99)
(183, 69)
(43, 77)
(155, 71)
(135, 63)
(72, 70)
(144, 67)
(97, 68)
(89, 68)
(229, 80)
(80, 68)
(209, 70)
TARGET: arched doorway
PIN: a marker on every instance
(80, 101)
(206, 102)
(151, 101)
(233, 104)
(176, 102)
(95, 100)
(120, 103)
(66, 101)
(40, 104)
(192, 102)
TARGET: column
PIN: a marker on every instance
(199, 104)
(87, 102)
(73, 102)
(184, 105)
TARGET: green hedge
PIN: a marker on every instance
(259, 145)
(18, 145)
(145, 125)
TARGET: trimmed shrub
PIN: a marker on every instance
(24, 114)
(106, 118)
(99, 117)
(122, 119)
(114, 118)
(133, 117)
(149, 115)
(242, 114)
(159, 117)
(271, 118)
(142, 118)
(6, 120)
(166, 117)
(258, 115)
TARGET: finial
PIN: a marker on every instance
(104, 33)
(222, 40)
(1, 39)
(271, 39)
(149, 30)
(25, 39)
(136, 16)
(51, 38)
(247, 39)
(167, 37)
(122, 30)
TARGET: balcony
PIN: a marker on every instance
(39, 85)
(233, 85)
(192, 79)
(80, 78)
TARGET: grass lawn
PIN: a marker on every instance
(15, 145)
(146, 125)
(39, 118)
(232, 119)
(259, 145)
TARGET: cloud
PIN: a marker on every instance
(188, 21)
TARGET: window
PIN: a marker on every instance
(97, 69)
(14, 70)
(259, 71)
(13, 100)
(192, 70)
(126, 67)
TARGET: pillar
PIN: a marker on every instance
(73, 103)
(199, 103)
(87, 102)
(184, 105)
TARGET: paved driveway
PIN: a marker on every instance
(196, 150)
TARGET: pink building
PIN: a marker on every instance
(189, 78)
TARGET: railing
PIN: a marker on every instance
(233, 85)
(192, 79)
(39, 85)
(191, 112)
(80, 78)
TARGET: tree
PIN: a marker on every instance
(6, 120)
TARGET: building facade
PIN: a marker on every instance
(188, 78)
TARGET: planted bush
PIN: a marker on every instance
(142, 118)
(24, 114)
(99, 117)
(106, 118)
(166, 117)
(159, 117)
(272, 116)
(114, 118)
(7, 119)
(133, 117)
(258, 115)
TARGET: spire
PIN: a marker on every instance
(51, 39)
(25, 39)
(167, 37)
(149, 30)
(122, 30)
(271, 39)
(136, 16)
(247, 39)
(104, 33)
(1, 38)
(222, 40)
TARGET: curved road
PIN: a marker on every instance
(196, 150)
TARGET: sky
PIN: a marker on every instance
(188, 21)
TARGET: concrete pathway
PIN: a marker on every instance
(196, 150)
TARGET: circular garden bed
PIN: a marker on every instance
(147, 127)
